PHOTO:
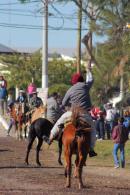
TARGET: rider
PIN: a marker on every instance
(78, 94)
(35, 101)
(53, 108)
(21, 98)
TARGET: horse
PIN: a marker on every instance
(32, 115)
(38, 129)
(76, 140)
(38, 113)
(17, 113)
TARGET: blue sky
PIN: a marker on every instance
(13, 13)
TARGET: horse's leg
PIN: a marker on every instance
(21, 132)
(60, 151)
(25, 131)
(31, 140)
(82, 158)
(76, 167)
(17, 130)
(40, 141)
(68, 167)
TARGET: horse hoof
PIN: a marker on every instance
(81, 186)
(26, 163)
(39, 164)
(67, 186)
(60, 163)
(75, 176)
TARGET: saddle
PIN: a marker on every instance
(82, 125)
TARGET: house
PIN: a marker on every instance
(6, 50)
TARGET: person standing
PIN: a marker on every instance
(119, 137)
(3, 101)
(100, 125)
(109, 119)
(3, 95)
(3, 82)
(31, 89)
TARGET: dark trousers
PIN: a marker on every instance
(109, 127)
(100, 129)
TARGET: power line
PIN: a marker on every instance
(39, 16)
(15, 10)
(18, 3)
(38, 27)
(18, 14)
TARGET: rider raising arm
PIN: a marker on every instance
(78, 95)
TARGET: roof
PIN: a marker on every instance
(5, 49)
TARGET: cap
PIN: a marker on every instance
(21, 91)
(77, 77)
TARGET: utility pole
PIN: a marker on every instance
(45, 47)
(79, 37)
(90, 44)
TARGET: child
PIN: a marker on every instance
(119, 136)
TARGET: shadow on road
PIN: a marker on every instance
(5, 150)
(29, 167)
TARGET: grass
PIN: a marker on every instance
(105, 158)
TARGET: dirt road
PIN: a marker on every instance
(18, 179)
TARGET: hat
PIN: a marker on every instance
(34, 92)
(77, 77)
(21, 91)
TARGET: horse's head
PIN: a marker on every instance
(19, 109)
(16, 107)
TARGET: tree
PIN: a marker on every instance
(22, 69)
(107, 18)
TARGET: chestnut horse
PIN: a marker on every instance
(17, 113)
(76, 140)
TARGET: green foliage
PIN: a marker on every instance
(104, 18)
(104, 150)
(22, 69)
(60, 71)
(60, 88)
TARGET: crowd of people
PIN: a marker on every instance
(106, 122)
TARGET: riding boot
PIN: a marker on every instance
(47, 140)
(92, 153)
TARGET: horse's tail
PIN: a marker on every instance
(31, 132)
(76, 112)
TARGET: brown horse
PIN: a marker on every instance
(76, 140)
(17, 113)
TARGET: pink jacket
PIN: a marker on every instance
(31, 88)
